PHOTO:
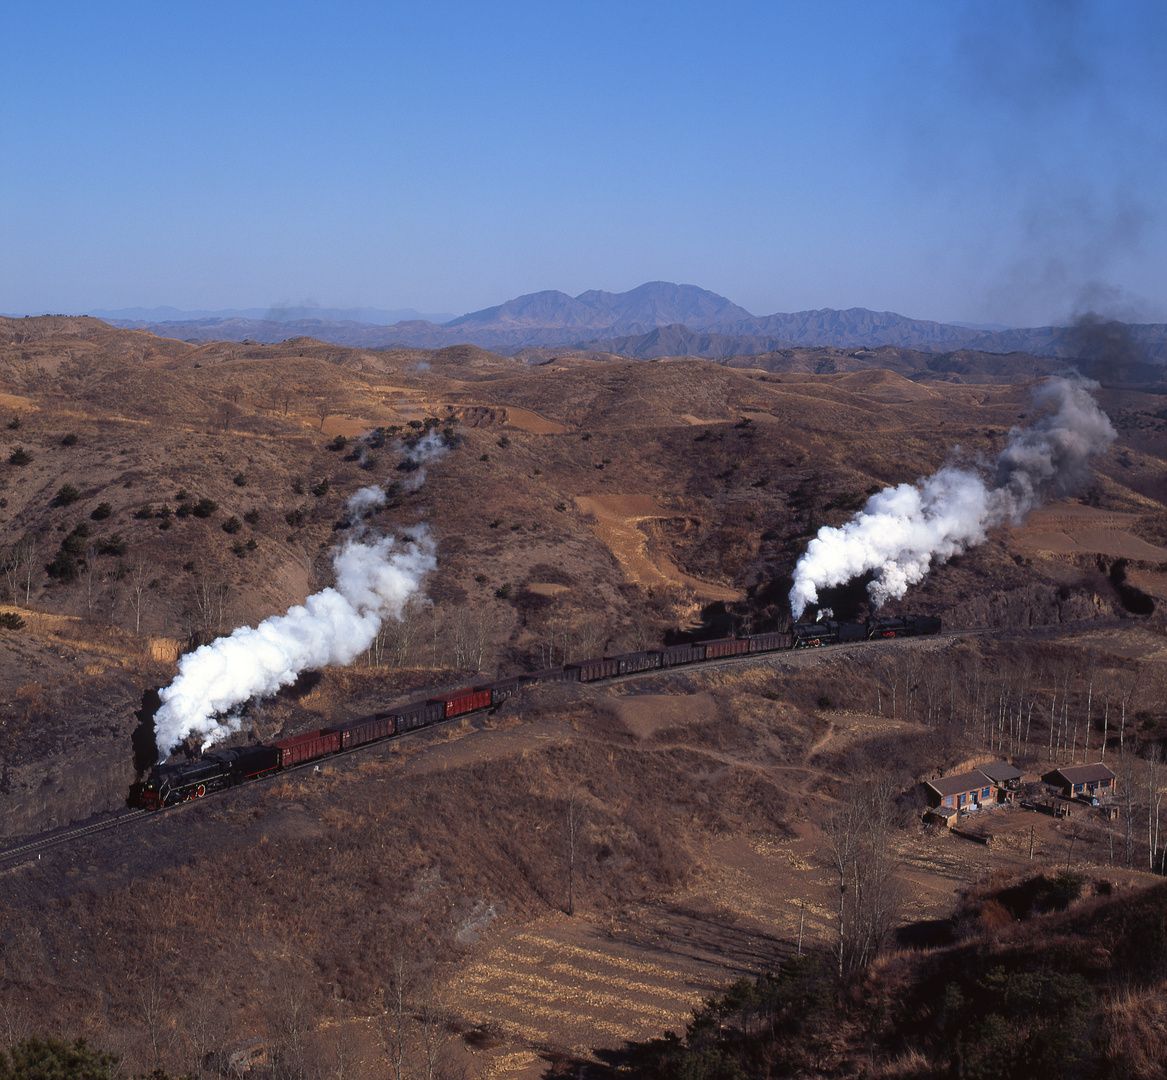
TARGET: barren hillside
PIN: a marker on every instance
(157, 493)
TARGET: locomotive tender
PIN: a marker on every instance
(177, 782)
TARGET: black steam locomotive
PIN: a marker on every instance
(175, 782)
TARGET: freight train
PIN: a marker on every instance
(175, 782)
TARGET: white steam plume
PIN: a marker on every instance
(334, 626)
(902, 530)
(374, 581)
(424, 452)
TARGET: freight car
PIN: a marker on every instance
(177, 782)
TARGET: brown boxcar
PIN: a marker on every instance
(367, 729)
(418, 714)
(637, 661)
(681, 654)
(726, 647)
(312, 744)
(501, 690)
(602, 667)
(548, 675)
(769, 642)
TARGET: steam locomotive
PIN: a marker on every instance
(175, 782)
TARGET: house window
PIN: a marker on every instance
(948, 801)
(960, 800)
(985, 793)
(1079, 787)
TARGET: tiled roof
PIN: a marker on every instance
(960, 783)
(1000, 772)
(1084, 774)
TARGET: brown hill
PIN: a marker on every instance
(582, 507)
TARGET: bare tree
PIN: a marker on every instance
(860, 836)
(91, 575)
(19, 563)
(1127, 688)
(1126, 785)
(323, 408)
(1154, 778)
(572, 826)
(469, 631)
(139, 582)
(291, 1021)
(210, 597)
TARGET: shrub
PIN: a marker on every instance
(145, 512)
(298, 485)
(101, 511)
(14, 424)
(503, 592)
(111, 545)
(252, 516)
(485, 457)
(19, 456)
(204, 508)
(240, 480)
(64, 566)
(339, 443)
(70, 439)
(66, 494)
(824, 702)
(321, 488)
(9, 620)
(232, 525)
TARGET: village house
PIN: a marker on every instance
(987, 785)
(1089, 781)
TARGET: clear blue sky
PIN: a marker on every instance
(948, 159)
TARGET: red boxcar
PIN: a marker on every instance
(458, 702)
(312, 744)
(726, 647)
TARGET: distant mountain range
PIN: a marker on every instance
(653, 320)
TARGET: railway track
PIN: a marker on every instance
(38, 845)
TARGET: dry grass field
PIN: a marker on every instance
(582, 508)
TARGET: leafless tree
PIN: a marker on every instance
(469, 631)
(572, 826)
(324, 409)
(90, 576)
(19, 562)
(1127, 688)
(152, 999)
(211, 596)
(912, 663)
(139, 579)
(1126, 787)
(1090, 672)
(1154, 777)
(395, 1018)
(859, 837)
(202, 1025)
(291, 1021)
